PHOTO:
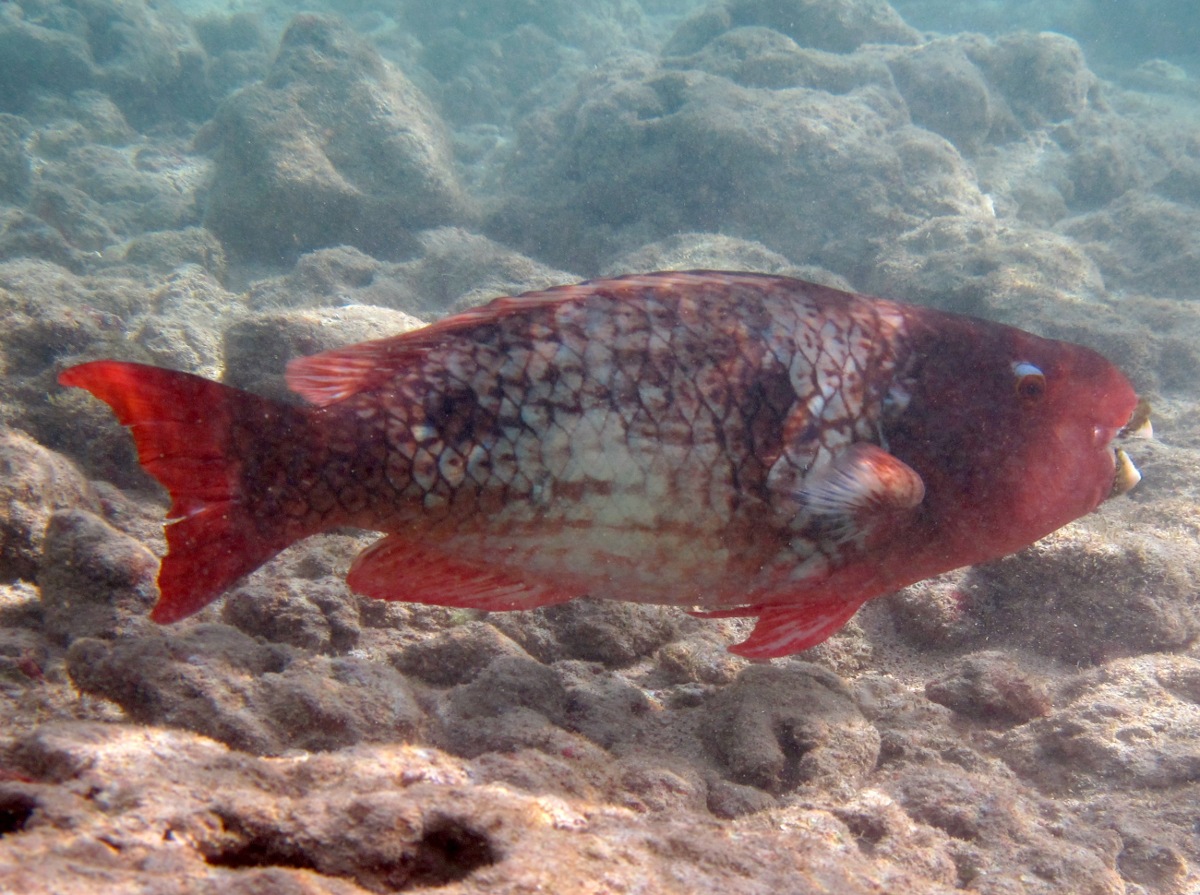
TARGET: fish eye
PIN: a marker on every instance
(1030, 381)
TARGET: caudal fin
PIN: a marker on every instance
(192, 435)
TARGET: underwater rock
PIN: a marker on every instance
(1127, 725)
(258, 347)
(256, 697)
(612, 633)
(165, 251)
(62, 124)
(513, 703)
(1043, 77)
(715, 251)
(49, 313)
(729, 800)
(990, 686)
(1143, 243)
(237, 49)
(34, 483)
(605, 708)
(979, 265)
(15, 166)
(142, 55)
(758, 56)
(24, 235)
(79, 218)
(341, 275)
(643, 152)
(455, 269)
(316, 615)
(190, 308)
(1083, 596)
(1004, 838)
(458, 269)
(139, 188)
(791, 726)
(603, 23)
(945, 92)
(491, 60)
(457, 655)
(698, 661)
(174, 809)
(837, 26)
(936, 612)
(333, 146)
(95, 581)
(45, 52)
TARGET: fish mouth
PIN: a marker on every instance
(1126, 475)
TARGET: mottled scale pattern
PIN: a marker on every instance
(657, 429)
(753, 445)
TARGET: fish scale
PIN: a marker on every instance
(750, 444)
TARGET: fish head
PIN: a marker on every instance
(1012, 433)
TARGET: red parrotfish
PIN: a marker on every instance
(735, 443)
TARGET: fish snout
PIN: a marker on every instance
(1126, 475)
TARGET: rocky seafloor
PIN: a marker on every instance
(221, 191)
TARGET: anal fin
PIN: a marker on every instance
(400, 569)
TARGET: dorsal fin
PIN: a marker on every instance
(335, 375)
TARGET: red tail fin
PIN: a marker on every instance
(191, 435)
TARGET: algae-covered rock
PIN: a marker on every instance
(333, 146)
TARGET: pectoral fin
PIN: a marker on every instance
(863, 495)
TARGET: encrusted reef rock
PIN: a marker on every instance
(141, 54)
(373, 819)
(836, 26)
(95, 581)
(34, 483)
(333, 146)
(782, 728)
(256, 697)
(812, 173)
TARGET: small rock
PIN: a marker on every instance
(837, 26)
(602, 706)
(614, 634)
(936, 612)
(34, 483)
(258, 347)
(945, 92)
(661, 789)
(1043, 76)
(729, 800)
(990, 686)
(513, 703)
(95, 580)
(1002, 837)
(259, 698)
(456, 656)
(783, 727)
(164, 251)
(319, 616)
(1085, 596)
(1128, 725)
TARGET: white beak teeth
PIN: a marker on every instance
(1127, 475)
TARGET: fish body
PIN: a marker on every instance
(738, 443)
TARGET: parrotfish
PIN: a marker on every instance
(734, 443)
